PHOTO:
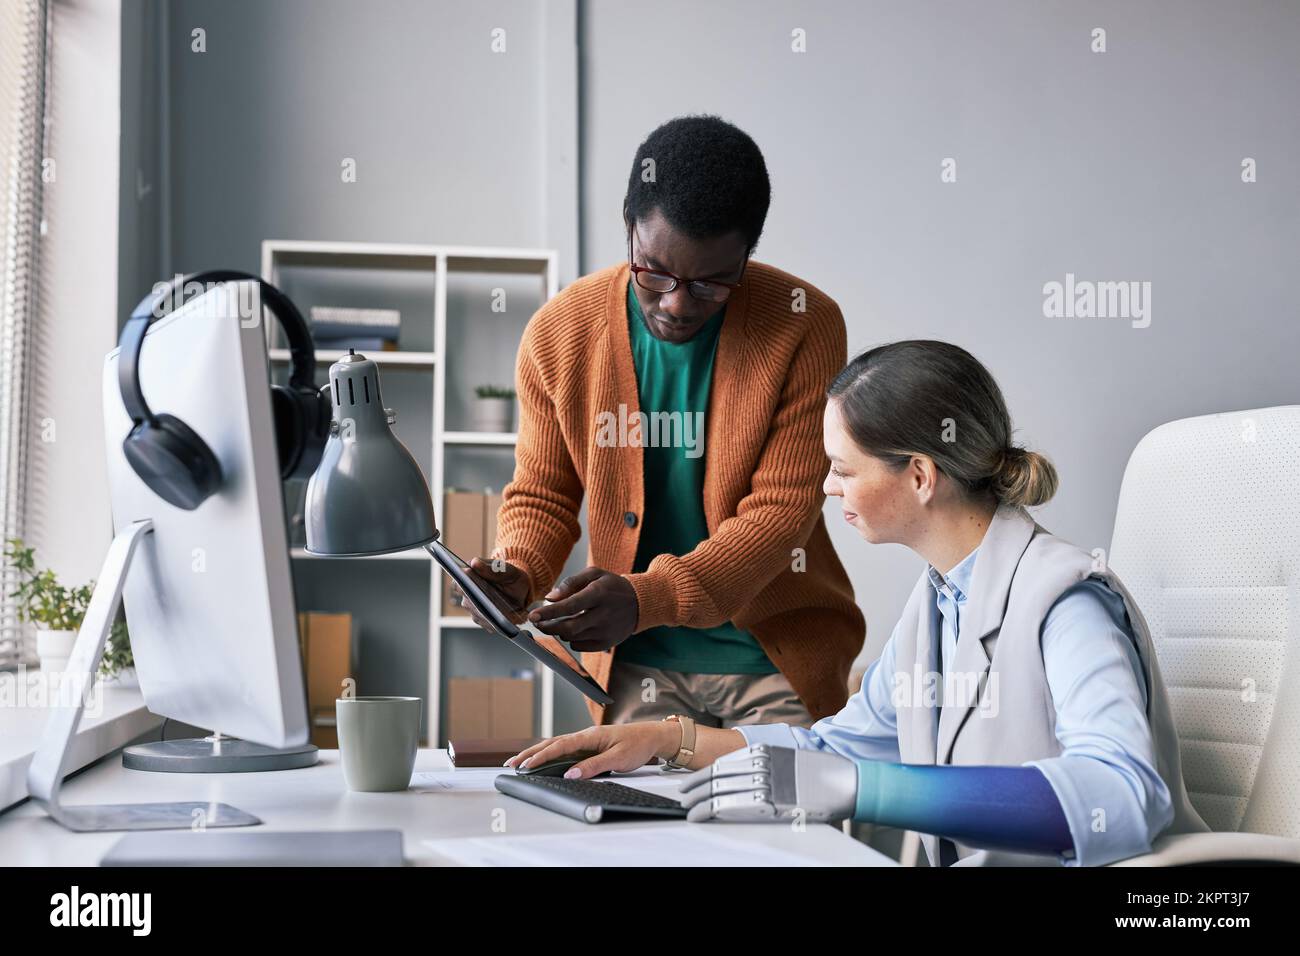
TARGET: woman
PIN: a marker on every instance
(1016, 714)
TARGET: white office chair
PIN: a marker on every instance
(1207, 539)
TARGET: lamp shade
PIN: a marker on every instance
(368, 495)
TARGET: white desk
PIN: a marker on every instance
(315, 798)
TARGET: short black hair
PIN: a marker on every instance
(709, 179)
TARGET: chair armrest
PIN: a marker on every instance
(1185, 849)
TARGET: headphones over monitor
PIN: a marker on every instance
(167, 454)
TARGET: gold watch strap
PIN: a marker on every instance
(686, 751)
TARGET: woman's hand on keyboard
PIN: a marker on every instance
(619, 747)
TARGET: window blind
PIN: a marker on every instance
(24, 72)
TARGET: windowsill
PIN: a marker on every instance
(122, 718)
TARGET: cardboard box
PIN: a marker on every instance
(326, 642)
(489, 707)
(324, 729)
(512, 707)
(462, 532)
(491, 507)
(469, 707)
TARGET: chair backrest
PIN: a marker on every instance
(1207, 539)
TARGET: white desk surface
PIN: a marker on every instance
(120, 718)
(316, 798)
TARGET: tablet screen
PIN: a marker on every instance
(561, 653)
(501, 612)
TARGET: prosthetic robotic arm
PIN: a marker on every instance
(1006, 808)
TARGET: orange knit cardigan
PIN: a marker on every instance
(768, 564)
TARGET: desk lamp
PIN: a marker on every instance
(367, 495)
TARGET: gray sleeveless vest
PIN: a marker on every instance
(998, 709)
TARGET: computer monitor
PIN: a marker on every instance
(208, 593)
(209, 596)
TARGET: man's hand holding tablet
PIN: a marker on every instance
(593, 610)
(511, 586)
(510, 583)
(499, 610)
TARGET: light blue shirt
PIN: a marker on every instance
(1105, 777)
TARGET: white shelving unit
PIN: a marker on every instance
(443, 261)
(479, 438)
(327, 357)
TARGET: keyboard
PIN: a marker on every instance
(590, 801)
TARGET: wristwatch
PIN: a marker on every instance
(682, 759)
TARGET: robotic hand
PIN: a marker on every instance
(1012, 808)
(764, 783)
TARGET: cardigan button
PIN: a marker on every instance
(629, 519)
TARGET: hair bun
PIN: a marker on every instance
(1012, 456)
(1024, 478)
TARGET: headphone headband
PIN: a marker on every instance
(169, 456)
(302, 354)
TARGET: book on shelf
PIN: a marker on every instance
(359, 342)
(341, 328)
(377, 321)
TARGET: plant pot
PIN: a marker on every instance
(125, 678)
(494, 414)
(54, 648)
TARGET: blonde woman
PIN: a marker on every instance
(1016, 714)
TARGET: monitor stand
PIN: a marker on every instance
(216, 754)
(51, 762)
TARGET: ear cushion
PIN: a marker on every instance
(286, 413)
(317, 415)
(302, 419)
(173, 461)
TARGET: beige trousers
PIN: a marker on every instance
(712, 700)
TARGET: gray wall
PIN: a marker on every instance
(1113, 166)
(453, 144)
(1123, 165)
(143, 188)
(447, 136)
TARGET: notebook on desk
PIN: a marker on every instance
(486, 752)
(257, 848)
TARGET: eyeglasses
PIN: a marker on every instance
(657, 280)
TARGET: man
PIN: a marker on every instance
(683, 392)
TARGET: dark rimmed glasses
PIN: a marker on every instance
(659, 281)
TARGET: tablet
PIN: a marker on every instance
(493, 606)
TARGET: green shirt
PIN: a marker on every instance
(675, 378)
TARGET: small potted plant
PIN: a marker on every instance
(57, 612)
(117, 666)
(494, 408)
